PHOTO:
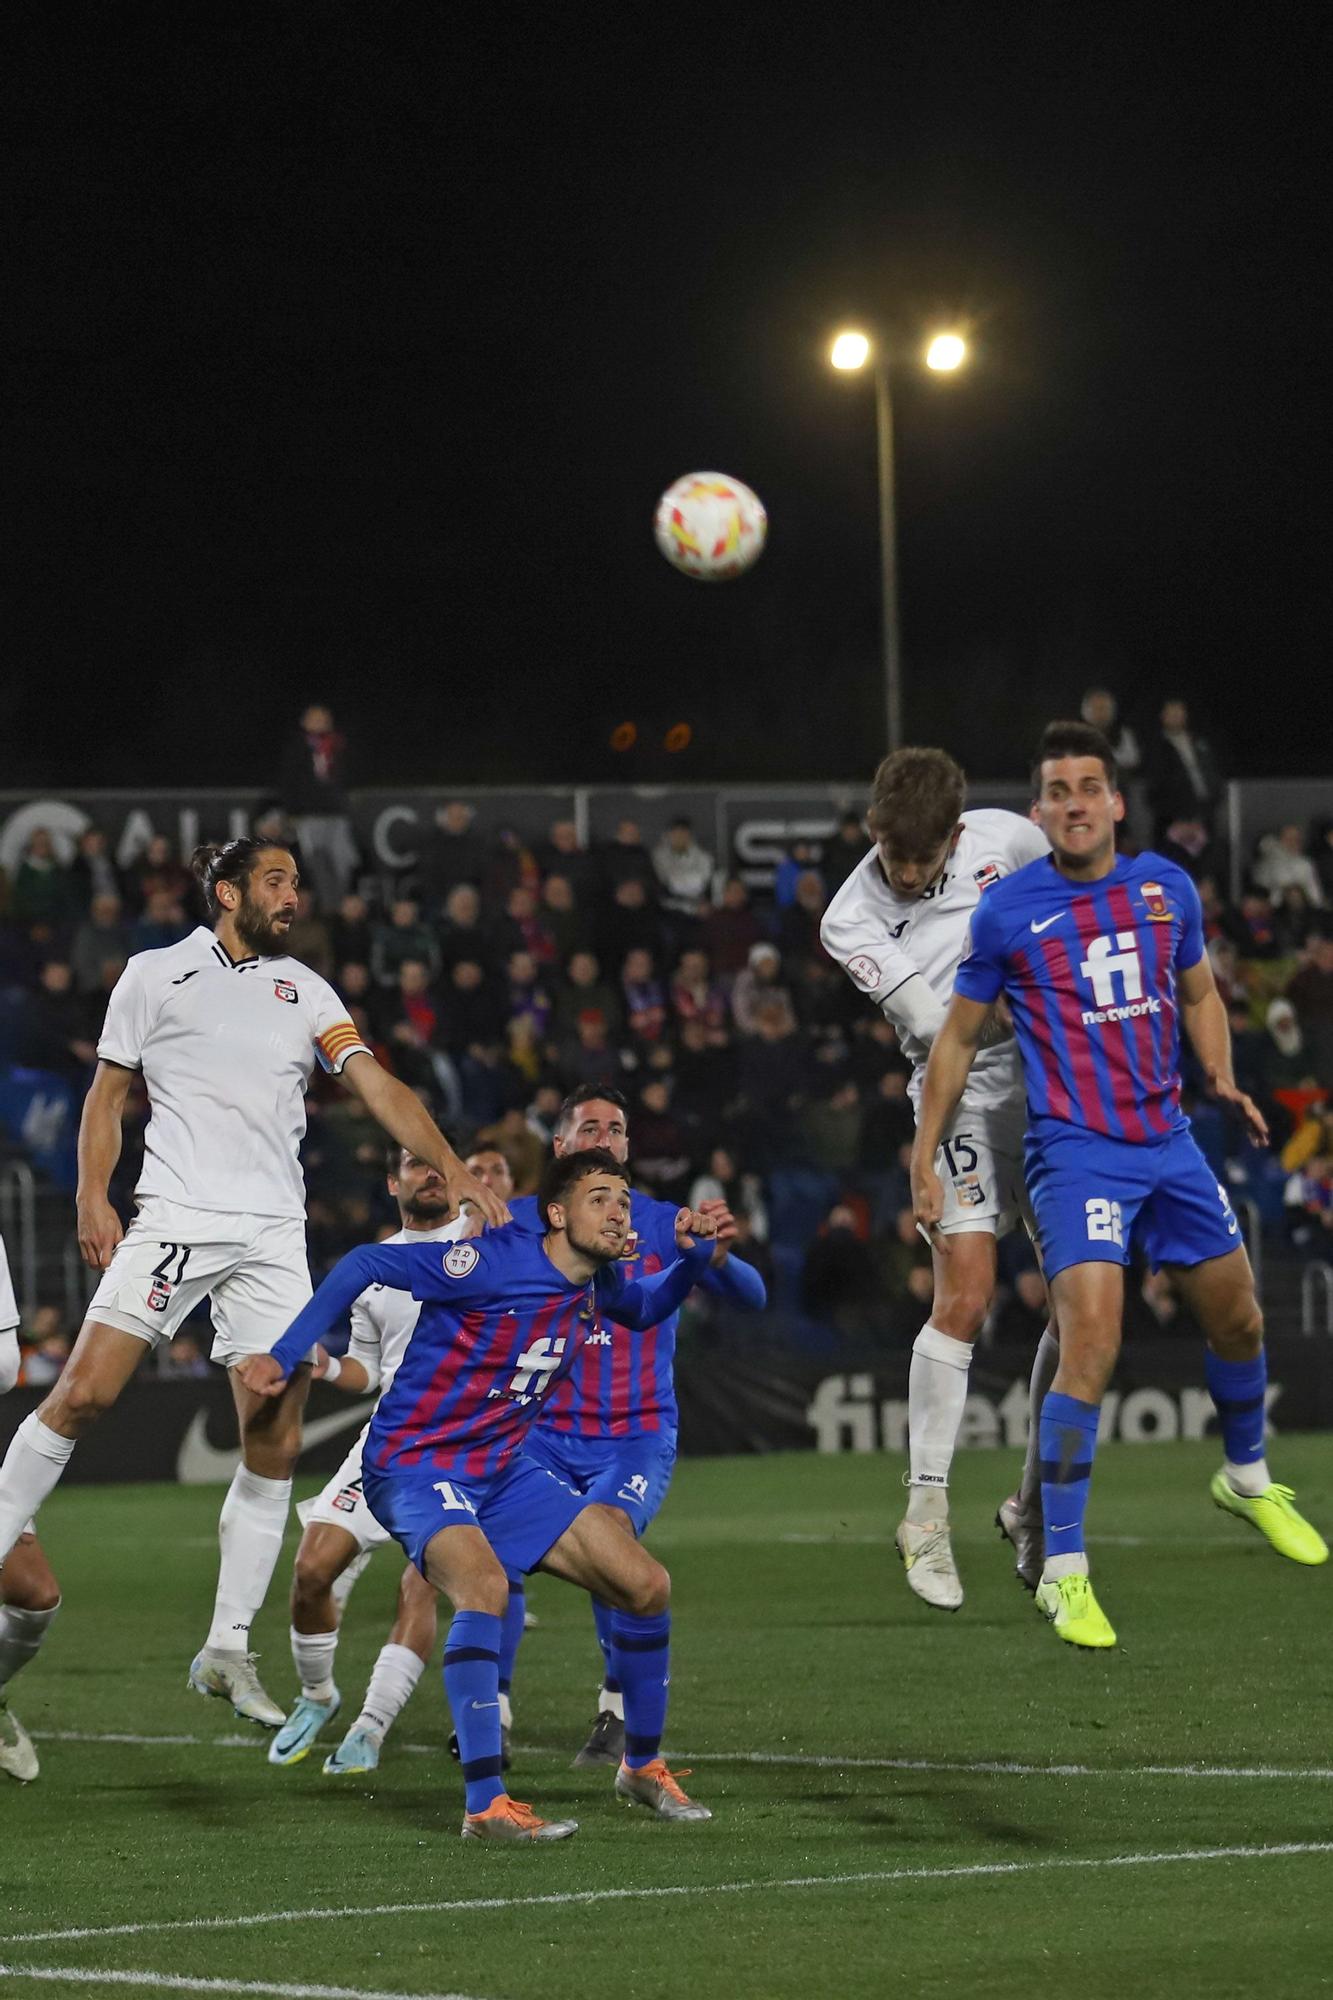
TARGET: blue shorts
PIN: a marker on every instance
(522, 1511)
(630, 1473)
(1089, 1193)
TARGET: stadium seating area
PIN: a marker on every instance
(498, 975)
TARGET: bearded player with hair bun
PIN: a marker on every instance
(225, 1030)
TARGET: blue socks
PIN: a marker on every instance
(472, 1684)
(511, 1631)
(603, 1617)
(1068, 1441)
(641, 1661)
(1237, 1388)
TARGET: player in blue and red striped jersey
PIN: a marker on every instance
(608, 1427)
(1099, 958)
(501, 1318)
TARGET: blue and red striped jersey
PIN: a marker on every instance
(621, 1382)
(498, 1325)
(1089, 971)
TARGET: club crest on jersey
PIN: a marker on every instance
(284, 990)
(985, 876)
(1154, 897)
(459, 1259)
(863, 969)
(630, 1253)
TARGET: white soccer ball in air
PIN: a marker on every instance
(710, 526)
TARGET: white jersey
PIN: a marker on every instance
(384, 1320)
(226, 1047)
(883, 940)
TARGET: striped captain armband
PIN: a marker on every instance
(336, 1044)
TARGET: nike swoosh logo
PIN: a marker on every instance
(199, 1463)
(1046, 922)
(184, 976)
(485, 1704)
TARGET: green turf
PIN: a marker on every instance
(795, 1637)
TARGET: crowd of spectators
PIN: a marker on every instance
(499, 972)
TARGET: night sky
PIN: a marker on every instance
(347, 354)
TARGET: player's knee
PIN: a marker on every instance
(312, 1576)
(650, 1591)
(77, 1400)
(963, 1313)
(1238, 1334)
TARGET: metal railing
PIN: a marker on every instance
(18, 1226)
(1317, 1284)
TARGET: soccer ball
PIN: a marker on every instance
(710, 526)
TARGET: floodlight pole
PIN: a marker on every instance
(888, 551)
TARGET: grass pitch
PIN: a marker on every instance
(906, 1802)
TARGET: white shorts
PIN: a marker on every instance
(251, 1268)
(342, 1504)
(980, 1165)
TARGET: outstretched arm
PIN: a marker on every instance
(951, 1059)
(644, 1302)
(371, 1264)
(405, 1118)
(1206, 1024)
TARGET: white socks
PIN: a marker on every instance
(936, 1395)
(1058, 1566)
(614, 1702)
(1044, 1364)
(250, 1528)
(312, 1656)
(21, 1633)
(397, 1671)
(33, 1465)
(1249, 1480)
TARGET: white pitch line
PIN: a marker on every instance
(178, 1983)
(584, 1898)
(784, 1759)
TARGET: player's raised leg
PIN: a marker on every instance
(596, 1553)
(1018, 1517)
(103, 1360)
(250, 1531)
(936, 1397)
(397, 1669)
(1089, 1299)
(1220, 1294)
(31, 1599)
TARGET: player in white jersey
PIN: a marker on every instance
(225, 1029)
(899, 927)
(29, 1593)
(341, 1533)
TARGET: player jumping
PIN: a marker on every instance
(1096, 954)
(29, 1593)
(899, 928)
(225, 1029)
(502, 1317)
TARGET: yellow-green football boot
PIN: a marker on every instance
(1276, 1519)
(1074, 1612)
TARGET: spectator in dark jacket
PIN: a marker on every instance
(60, 1031)
(93, 872)
(102, 935)
(43, 891)
(845, 851)
(1183, 779)
(731, 930)
(312, 782)
(453, 852)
